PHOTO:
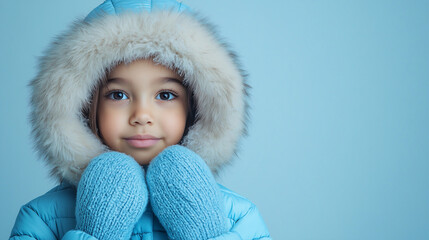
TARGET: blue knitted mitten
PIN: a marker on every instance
(111, 196)
(184, 195)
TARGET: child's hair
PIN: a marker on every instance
(90, 110)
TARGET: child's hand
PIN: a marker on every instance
(111, 196)
(184, 195)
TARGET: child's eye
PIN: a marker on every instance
(117, 95)
(166, 96)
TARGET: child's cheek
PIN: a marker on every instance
(174, 125)
(111, 123)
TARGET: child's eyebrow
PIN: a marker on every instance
(162, 80)
(174, 80)
(116, 80)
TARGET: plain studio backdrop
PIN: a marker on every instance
(338, 144)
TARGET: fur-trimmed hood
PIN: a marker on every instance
(77, 60)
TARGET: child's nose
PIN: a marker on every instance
(141, 115)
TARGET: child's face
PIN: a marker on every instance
(142, 109)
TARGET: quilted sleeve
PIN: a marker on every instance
(245, 220)
(29, 225)
(78, 235)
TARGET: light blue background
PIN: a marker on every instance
(338, 145)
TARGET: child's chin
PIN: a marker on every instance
(142, 159)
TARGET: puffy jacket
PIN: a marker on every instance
(121, 31)
(52, 216)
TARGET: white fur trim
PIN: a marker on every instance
(75, 62)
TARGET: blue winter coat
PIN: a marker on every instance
(52, 216)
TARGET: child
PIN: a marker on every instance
(145, 90)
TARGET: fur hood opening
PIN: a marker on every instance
(77, 60)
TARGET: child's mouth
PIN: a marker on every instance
(142, 141)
